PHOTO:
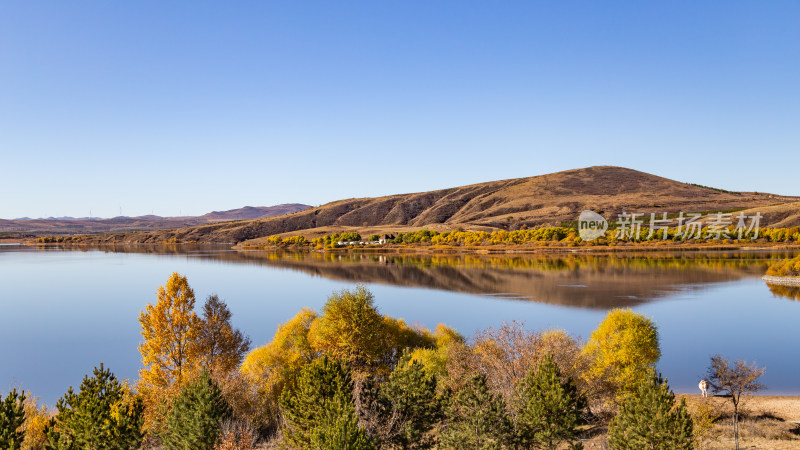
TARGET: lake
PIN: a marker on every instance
(66, 310)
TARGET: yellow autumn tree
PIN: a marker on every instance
(434, 359)
(170, 329)
(276, 365)
(177, 344)
(37, 417)
(350, 329)
(623, 349)
(399, 337)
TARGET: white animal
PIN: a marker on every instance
(704, 385)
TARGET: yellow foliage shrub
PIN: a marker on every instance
(785, 268)
(275, 365)
(623, 349)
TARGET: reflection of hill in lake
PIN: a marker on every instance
(582, 280)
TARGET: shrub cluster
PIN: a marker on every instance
(289, 241)
(57, 239)
(785, 268)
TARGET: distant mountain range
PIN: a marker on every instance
(551, 199)
(94, 225)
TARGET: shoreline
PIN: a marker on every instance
(449, 250)
(512, 250)
(782, 281)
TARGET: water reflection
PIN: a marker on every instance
(597, 281)
(790, 292)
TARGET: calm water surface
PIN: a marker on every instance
(65, 311)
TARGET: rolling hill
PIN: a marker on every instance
(86, 225)
(507, 204)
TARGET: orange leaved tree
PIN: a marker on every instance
(170, 329)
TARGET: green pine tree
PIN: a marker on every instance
(196, 416)
(12, 416)
(104, 414)
(337, 428)
(411, 397)
(319, 411)
(650, 419)
(548, 409)
(476, 418)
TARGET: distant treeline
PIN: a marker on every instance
(58, 239)
(544, 236)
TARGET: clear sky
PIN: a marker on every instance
(186, 107)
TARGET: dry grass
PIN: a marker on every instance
(779, 216)
(767, 422)
(365, 232)
(237, 435)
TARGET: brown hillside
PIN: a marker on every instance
(779, 215)
(507, 204)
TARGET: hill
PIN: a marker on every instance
(253, 212)
(781, 215)
(507, 204)
(86, 225)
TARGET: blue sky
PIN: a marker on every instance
(187, 107)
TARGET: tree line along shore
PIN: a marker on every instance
(539, 239)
